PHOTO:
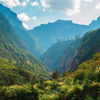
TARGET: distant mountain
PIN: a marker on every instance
(31, 43)
(12, 47)
(95, 24)
(53, 55)
(47, 34)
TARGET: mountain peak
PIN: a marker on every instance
(63, 21)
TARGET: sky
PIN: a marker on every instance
(36, 12)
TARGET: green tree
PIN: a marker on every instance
(55, 75)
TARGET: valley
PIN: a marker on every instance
(59, 60)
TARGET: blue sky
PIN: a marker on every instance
(35, 12)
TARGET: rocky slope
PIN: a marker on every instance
(69, 54)
(53, 55)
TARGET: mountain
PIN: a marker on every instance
(89, 46)
(53, 55)
(69, 53)
(47, 34)
(13, 48)
(31, 43)
(95, 24)
(11, 17)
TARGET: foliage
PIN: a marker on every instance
(18, 93)
(82, 84)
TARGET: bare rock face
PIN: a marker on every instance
(69, 54)
(53, 55)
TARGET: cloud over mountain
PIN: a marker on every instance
(23, 17)
(69, 7)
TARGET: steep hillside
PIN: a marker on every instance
(11, 17)
(31, 43)
(90, 46)
(11, 47)
(53, 55)
(69, 54)
(10, 74)
(61, 29)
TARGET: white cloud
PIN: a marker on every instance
(97, 6)
(24, 3)
(88, 0)
(23, 17)
(13, 3)
(34, 18)
(28, 0)
(25, 26)
(10, 3)
(69, 7)
(35, 3)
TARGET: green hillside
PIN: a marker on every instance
(12, 47)
(10, 74)
(89, 46)
(82, 84)
(31, 42)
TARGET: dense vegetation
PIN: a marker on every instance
(83, 84)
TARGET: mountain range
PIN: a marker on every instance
(50, 33)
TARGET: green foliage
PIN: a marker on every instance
(10, 75)
(83, 84)
(18, 93)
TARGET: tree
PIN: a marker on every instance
(55, 75)
(32, 82)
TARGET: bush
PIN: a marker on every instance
(18, 93)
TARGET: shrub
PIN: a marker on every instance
(18, 93)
